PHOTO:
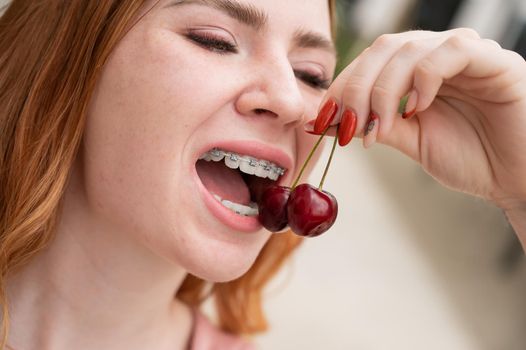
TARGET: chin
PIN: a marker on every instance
(221, 275)
(222, 272)
(222, 261)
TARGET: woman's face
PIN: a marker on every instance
(239, 75)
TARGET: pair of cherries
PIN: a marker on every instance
(307, 210)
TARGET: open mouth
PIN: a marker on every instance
(237, 180)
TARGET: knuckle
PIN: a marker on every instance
(493, 43)
(456, 42)
(353, 89)
(356, 82)
(384, 40)
(517, 66)
(425, 68)
(467, 32)
(412, 47)
(516, 58)
(380, 92)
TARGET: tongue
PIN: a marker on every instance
(257, 186)
(225, 182)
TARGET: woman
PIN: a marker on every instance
(112, 109)
(107, 108)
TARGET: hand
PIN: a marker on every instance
(469, 96)
(468, 101)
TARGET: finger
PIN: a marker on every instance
(328, 114)
(405, 137)
(458, 56)
(371, 130)
(353, 86)
(309, 129)
(396, 79)
(351, 90)
(347, 128)
(336, 90)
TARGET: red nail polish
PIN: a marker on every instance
(373, 117)
(326, 115)
(347, 127)
(309, 127)
(407, 115)
(310, 124)
(412, 101)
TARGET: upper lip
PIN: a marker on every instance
(252, 148)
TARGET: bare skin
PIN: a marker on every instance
(132, 225)
(108, 280)
(469, 96)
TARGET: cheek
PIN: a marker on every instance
(187, 78)
(134, 145)
(141, 119)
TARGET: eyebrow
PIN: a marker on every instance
(257, 19)
(308, 39)
(246, 14)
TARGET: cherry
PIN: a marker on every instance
(310, 211)
(273, 208)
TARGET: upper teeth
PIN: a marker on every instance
(249, 165)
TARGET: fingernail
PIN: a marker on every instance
(371, 130)
(411, 105)
(309, 127)
(326, 115)
(347, 127)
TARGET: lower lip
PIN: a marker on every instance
(246, 224)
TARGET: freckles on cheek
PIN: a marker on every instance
(173, 64)
(186, 72)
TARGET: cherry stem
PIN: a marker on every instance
(320, 187)
(309, 158)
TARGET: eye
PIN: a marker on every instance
(212, 42)
(313, 80)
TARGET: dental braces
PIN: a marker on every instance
(251, 161)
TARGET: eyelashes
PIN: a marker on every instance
(212, 42)
(313, 80)
(223, 47)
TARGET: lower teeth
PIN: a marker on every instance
(251, 210)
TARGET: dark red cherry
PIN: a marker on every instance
(310, 211)
(273, 208)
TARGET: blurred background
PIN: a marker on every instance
(408, 264)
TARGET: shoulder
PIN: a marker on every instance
(207, 336)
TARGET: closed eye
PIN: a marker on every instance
(313, 80)
(212, 43)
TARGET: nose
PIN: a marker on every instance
(271, 90)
